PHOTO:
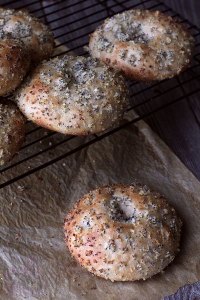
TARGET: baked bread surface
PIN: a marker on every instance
(36, 36)
(123, 233)
(73, 95)
(14, 65)
(143, 44)
(12, 130)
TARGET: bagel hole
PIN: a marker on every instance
(133, 32)
(121, 209)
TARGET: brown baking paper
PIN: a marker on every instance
(35, 264)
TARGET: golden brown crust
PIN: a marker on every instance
(144, 45)
(36, 36)
(14, 64)
(12, 130)
(73, 95)
(123, 233)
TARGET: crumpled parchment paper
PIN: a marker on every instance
(34, 261)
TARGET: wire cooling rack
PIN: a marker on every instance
(72, 22)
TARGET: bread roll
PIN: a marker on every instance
(73, 95)
(143, 44)
(123, 233)
(36, 36)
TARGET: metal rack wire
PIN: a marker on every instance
(43, 148)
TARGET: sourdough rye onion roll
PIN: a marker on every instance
(73, 95)
(123, 233)
(143, 44)
(35, 35)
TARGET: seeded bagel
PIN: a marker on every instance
(144, 45)
(123, 233)
(12, 130)
(37, 37)
(14, 64)
(73, 95)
